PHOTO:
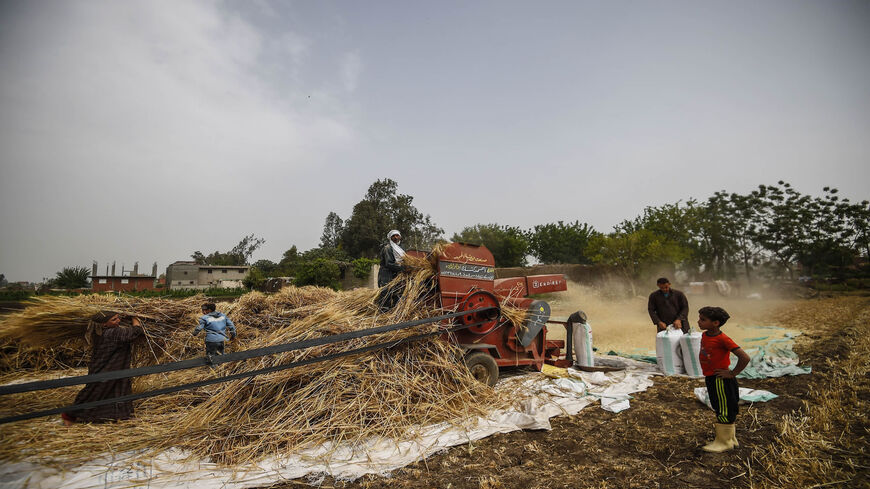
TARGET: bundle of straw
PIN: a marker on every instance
(50, 333)
(380, 394)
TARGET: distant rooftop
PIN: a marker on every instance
(184, 262)
(123, 276)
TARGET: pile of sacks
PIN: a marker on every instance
(677, 352)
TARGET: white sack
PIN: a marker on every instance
(668, 354)
(583, 345)
(746, 395)
(614, 405)
(690, 346)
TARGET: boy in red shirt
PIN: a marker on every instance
(716, 349)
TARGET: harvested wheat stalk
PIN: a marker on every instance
(380, 394)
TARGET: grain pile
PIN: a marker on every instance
(379, 394)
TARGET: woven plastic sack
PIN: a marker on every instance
(668, 353)
(583, 345)
(690, 346)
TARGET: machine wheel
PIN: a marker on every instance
(482, 367)
(489, 319)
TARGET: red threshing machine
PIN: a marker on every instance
(466, 281)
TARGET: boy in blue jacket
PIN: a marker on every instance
(216, 325)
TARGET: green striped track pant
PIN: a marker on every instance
(724, 395)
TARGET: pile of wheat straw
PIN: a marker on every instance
(380, 394)
(50, 332)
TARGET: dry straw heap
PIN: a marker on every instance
(380, 394)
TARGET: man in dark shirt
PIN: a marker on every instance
(392, 256)
(668, 306)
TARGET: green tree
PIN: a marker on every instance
(508, 245)
(381, 210)
(71, 278)
(239, 255)
(320, 271)
(714, 241)
(858, 218)
(332, 229)
(674, 226)
(828, 247)
(362, 231)
(289, 260)
(742, 222)
(362, 267)
(254, 279)
(198, 257)
(784, 224)
(268, 267)
(560, 242)
(334, 254)
(634, 252)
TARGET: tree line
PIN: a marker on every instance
(772, 231)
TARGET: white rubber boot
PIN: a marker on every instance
(732, 432)
(725, 439)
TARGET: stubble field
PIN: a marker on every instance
(813, 435)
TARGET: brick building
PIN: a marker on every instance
(127, 281)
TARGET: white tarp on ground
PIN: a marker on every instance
(776, 358)
(546, 397)
(746, 396)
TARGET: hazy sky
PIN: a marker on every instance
(142, 131)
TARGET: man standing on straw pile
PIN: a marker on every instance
(391, 258)
(668, 306)
(112, 350)
(216, 325)
(391, 265)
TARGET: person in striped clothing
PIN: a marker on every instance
(715, 359)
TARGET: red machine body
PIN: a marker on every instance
(466, 281)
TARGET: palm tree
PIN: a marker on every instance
(72, 278)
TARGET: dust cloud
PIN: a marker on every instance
(623, 324)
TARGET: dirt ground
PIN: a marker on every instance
(656, 443)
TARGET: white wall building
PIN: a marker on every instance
(190, 275)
